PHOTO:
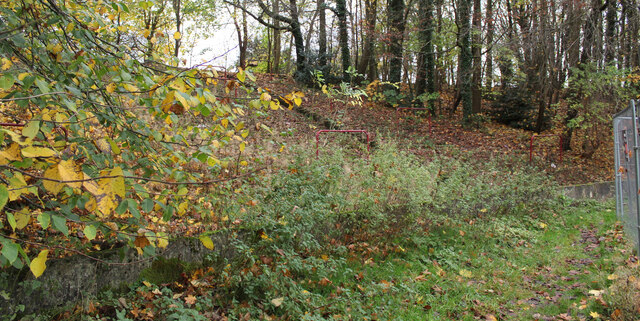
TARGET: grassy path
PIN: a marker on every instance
(513, 268)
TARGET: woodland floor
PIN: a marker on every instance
(422, 135)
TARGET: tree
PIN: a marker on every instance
(102, 151)
(292, 24)
(476, 52)
(465, 57)
(277, 49)
(426, 64)
(367, 63)
(341, 13)
(396, 21)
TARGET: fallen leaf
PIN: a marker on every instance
(190, 299)
(277, 301)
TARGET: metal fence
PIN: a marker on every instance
(627, 167)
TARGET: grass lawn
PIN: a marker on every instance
(512, 268)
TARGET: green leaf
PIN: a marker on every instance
(168, 213)
(241, 76)
(6, 81)
(31, 130)
(10, 250)
(147, 205)
(44, 219)
(60, 224)
(12, 221)
(4, 196)
(43, 86)
(183, 191)
(90, 232)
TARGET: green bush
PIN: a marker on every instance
(495, 188)
(305, 217)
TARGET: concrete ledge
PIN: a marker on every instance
(598, 191)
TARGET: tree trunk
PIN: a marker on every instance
(426, 63)
(241, 31)
(176, 10)
(296, 32)
(489, 56)
(465, 58)
(396, 29)
(367, 59)
(277, 40)
(477, 58)
(343, 37)
(322, 35)
(610, 32)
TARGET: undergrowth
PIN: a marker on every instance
(395, 237)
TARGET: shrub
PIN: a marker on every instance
(514, 107)
(496, 188)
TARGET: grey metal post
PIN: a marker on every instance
(636, 150)
(618, 180)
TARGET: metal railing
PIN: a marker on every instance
(627, 170)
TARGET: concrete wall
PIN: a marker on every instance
(598, 191)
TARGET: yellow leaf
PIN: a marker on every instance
(111, 88)
(108, 192)
(162, 240)
(182, 100)
(168, 101)
(542, 225)
(17, 186)
(177, 35)
(131, 87)
(91, 205)
(22, 141)
(90, 186)
(6, 63)
(612, 277)
(466, 273)
(33, 151)
(52, 186)
(146, 33)
(274, 106)
(297, 101)
(38, 265)
(207, 242)
(10, 154)
(265, 96)
(594, 315)
(241, 75)
(70, 171)
(22, 219)
(242, 146)
(225, 123)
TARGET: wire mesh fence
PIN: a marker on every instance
(627, 166)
